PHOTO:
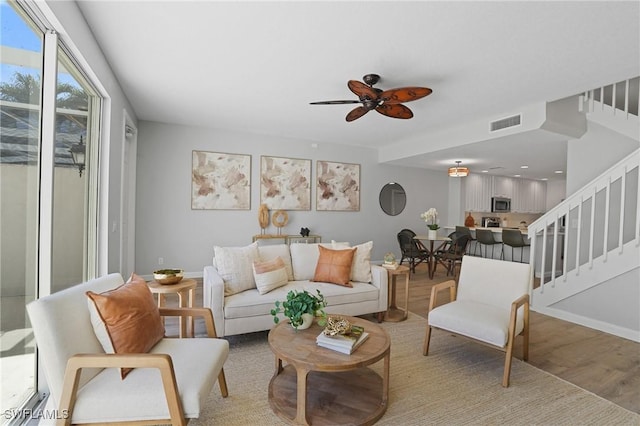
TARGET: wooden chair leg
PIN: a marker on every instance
(507, 364)
(222, 381)
(427, 339)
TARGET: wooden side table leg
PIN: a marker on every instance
(192, 327)
(183, 323)
(406, 296)
(392, 290)
(301, 414)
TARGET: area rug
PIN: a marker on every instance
(457, 384)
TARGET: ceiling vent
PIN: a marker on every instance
(505, 123)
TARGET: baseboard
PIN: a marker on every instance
(616, 330)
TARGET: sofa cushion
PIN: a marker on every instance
(270, 252)
(270, 274)
(106, 398)
(126, 319)
(235, 266)
(334, 266)
(484, 322)
(250, 303)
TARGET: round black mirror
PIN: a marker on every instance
(393, 199)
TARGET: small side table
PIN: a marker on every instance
(393, 312)
(186, 291)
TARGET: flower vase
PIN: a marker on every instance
(432, 234)
(307, 320)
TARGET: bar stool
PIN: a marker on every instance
(463, 230)
(513, 238)
(485, 238)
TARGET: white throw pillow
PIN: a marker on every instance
(235, 266)
(361, 266)
(270, 275)
(304, 258)
(270, 252)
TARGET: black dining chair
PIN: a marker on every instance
(467, 231)
(514, 239)
(485, 238)
(412, 250)
(451, 252)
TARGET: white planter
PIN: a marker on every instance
(307, 320)
(432, 234)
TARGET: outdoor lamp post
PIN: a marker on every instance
(78, 155)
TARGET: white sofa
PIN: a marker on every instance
(249, 311)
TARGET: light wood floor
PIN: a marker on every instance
(601, 363)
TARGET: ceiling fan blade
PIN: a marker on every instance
(404, 94)
(395, 111)
(334, 102)
(362, 90)
(356, 113)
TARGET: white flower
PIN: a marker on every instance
(431, 215)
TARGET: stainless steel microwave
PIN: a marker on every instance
(500, 205)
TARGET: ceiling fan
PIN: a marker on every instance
(387, 102)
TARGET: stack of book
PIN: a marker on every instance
(344, 343)
(391, 265)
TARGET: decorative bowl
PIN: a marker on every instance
(168, 276)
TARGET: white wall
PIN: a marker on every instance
(167, 227)
(556, 192)
(593, 153)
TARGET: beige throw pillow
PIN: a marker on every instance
(235, 266)
(270, 275)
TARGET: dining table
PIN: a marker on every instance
(431, 248)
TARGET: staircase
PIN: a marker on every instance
(593, 237)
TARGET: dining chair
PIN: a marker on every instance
(412, 250)
(467, 231)
(451, 252)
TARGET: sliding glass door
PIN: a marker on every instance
(20, 139)
(49, 114)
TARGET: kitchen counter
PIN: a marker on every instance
(524, 231)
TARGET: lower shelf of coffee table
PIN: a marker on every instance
(352, 397)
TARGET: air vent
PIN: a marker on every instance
(505, 123)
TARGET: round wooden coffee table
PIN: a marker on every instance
(323, 387)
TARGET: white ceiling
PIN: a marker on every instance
(255, 66)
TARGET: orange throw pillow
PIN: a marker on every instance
(131, 318)
(334, 266)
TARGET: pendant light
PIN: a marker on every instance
(458, 171)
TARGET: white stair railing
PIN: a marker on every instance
(620, 98)
(591, 237)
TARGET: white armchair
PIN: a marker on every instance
(490, 305)
(168, 385)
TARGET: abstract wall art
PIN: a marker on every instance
(338, 186)
(285, 183)
(220, 181)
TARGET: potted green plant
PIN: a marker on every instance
(301, 307)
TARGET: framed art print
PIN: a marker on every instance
(285, 183)
(338, 186)
(220, 181)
